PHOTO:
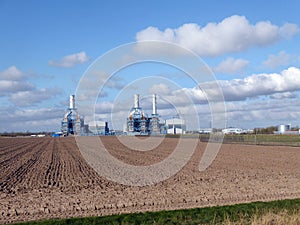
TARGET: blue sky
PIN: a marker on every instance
(251, 46)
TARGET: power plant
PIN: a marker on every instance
(137, 123)
(140, 124)
(72, 123)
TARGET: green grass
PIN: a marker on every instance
(209, 215)
(259, 139)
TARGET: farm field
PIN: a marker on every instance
(44, 178)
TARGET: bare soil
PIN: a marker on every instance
(43, 178)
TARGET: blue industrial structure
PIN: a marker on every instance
(140, 124)
(72, 123)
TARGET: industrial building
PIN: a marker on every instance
(98, 128)
(232, 130)
(72, 123)
(138, 123)
(287, 129)
(175, 126)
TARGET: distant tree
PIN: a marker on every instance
(266, 130)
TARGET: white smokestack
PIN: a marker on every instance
(154, 111)
(72, 101)
(136, 101)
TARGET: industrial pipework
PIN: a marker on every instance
(72, 101)
(72, 123)
(154, 108)
(136, 103)
(140, 124)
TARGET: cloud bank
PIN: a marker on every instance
(233, 34)
(15, 86)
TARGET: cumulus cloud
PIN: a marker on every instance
(288, 30)
(13, 80)
(161, 89)
(70, 60)
(12, 73)
(10, 86)
(261, 113)
(260, 85)
(15, 87)
(279, 59)
(233, 34)
(274, 85)
(231, 66)
(32, 97)
(90, 85)
(42, 119)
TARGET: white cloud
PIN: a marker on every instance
(15, 87)
(43, 119)
(89, 86)
(274, 85)
(161, 89)
(261, 85)
(280, 59)
(30, 98)
(12, 80)
(231, 66)
(70, 60)
(233, 34)
(10, 86)
(284, 95)
(261, 113)
(12, 73)
(288, 30)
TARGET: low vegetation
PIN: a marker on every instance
(257, 213)
(258, 139)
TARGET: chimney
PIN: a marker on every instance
(72, 101)
(154, 111)
(136, 101)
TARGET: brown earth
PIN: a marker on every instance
(44, 178)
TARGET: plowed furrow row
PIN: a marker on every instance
(17, 176)
(85, 175)
(36, 180)
(17, 154)
(11, 151)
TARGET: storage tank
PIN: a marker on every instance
(281, 129)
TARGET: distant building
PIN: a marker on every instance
(98, 128)
(282, 129)
(205, 131)
(72, 122)
(138, 123)
(175, 126)
(232, 130)
(286, 129)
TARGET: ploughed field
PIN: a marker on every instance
(44, 178)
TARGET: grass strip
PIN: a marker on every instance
(231, 214)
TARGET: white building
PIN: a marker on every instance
(232, 130)
(175, 126)
(205, 131)
(98, 127)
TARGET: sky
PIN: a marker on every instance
(251, 48)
